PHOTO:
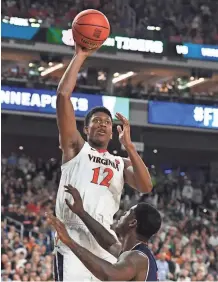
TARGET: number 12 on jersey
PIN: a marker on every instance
(108, 175)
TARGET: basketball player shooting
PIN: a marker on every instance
(135, 261)
(98, 175)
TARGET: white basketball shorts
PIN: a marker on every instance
(67, 267)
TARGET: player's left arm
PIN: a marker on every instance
(125, 269)
(136, 173)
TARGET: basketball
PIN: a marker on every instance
(90, 29)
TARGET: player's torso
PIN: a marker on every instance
(152, 273)
(99, 178)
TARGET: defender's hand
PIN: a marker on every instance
(60, 228)
(124, 134)
(77, 206)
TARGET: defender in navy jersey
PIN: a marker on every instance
(135, 260)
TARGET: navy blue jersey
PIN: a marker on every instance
(152, 274)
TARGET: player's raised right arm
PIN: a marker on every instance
(71, 141)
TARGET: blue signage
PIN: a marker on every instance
(184, 115)
(60, 36)
(18, 32)
(201, 52)
(44, 102)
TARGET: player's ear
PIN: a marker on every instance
(85, 130)
(111, 135)
(133, 223)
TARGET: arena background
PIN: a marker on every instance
(159, 68)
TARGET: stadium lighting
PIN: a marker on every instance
(122, 77)
(52, 69)
(192, 83)
(150, 27)
(35, 24)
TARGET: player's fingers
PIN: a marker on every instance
(70, 186)
(122, 118)
(119, 129)
(68, 204)
(49, 221)
(52, 222)
(70, 189)
(55, 225)
(58, 224)
(74, 193)
(67, 187)
(118, 117)
(49, 217)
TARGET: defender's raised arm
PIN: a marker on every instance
(104, 238)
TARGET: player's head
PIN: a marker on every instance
(143, 219)
(98, 126)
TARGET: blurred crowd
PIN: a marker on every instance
(186, 248)
(172, 90)
(28, 191)
(178, 20)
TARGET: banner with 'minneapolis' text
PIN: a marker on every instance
(37, 101)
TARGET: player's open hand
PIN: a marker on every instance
(60, 228)
(82, 51)
(77, 205)
(124, 134)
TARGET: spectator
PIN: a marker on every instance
(163, 267)
(197, 199)
(187, 191)
(187, 194)
(213, 240)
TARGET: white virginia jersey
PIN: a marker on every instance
(98, 176)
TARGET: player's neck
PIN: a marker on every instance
(141, 241)
(131, 240)
(97, 147)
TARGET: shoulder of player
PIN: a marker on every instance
(115, 157)
(135, 257)
(74, 153)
